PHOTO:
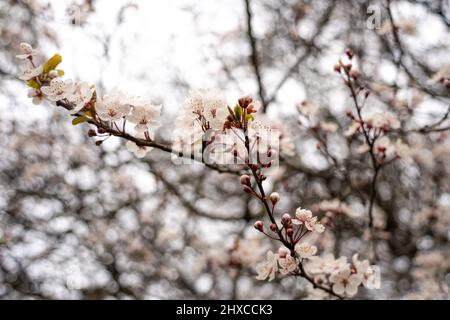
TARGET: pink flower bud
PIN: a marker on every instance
(259, 226)
(289, 232)
(274, 198)
(245, 180)
(286, 219)
(273, 227)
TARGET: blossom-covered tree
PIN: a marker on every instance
(367, 217)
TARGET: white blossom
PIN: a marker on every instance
(27, 51)
(305, 217)
(209, 104)
(287, 264)
(81, 95)
(145, 116)
(305, 250)
(36, 96)
(268, 268)
(58, 89)
(345, 283)
(112, 107)
(31, 73)
(369, 273)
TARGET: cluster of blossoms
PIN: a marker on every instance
(374, 127)
(295, 230)
(344, 277)
(81, 99)
(205, 122)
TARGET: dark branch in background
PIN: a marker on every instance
(254, 59)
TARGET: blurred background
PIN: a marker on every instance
(79, 221)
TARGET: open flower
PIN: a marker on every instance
(36, 96)
(345, 283)
(27, 51)
(305, 217)
(208, 104)
(268, 268)
(112, 107)
(370, 274)
(81, 95)
(31, 73)
(305, 250)
(287, 264)
(58, 89)
(145, 116)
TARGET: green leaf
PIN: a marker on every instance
(250, 117)
(79, 120)
(238, 112)
(89, 114)
(33, 84)
(52, 63)
(60, 72)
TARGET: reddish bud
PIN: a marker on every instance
(101, 130)
(286, 219)
(274, 227)
(349, 53)
(98, 142)
(290, 232)
(251, 109)
(91, 133)
(245, 180)
(244, 102)
(259, 226)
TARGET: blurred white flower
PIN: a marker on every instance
(403, 150)
(308, 108)
(352, 129)
(329, 126)
(383, 120)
